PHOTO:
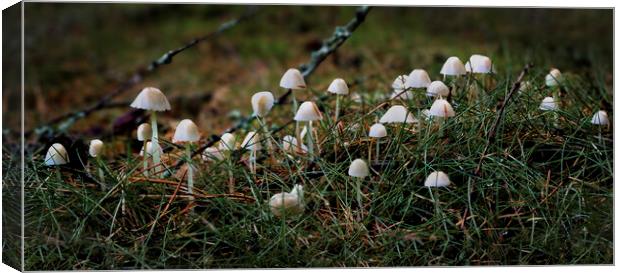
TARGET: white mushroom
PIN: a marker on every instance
(288, 203)
(418, 78)
(95, 147)
(397, 114)
(437, 179)
(441, 108)
(56, 155)
(453, 67)
(437, 89)
(600, 118)
(262, 102)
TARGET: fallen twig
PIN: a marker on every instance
(67, 120)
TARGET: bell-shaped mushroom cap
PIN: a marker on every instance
(453, 67)
(151, 98)
(308, 111)
(227, 142)
(399, 83)
(441, 108)
(212, 154)
(479, 64)
(436, 89)
(437, 179)
(418, 78)
(150, 149)
(95, 147)
(252, 141)
(554, 77)
(600, 118)
(144, 132)
(289, 144)
(402, 95)
(377, 130)
(186, 131)
(288, 203)
(397, 114)
(56, 155)
(358, 168)
(339, 87)
(262, 102)
(292, 79)
(548, 104)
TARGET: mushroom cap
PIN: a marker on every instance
(437, 179)
(186, 131)
(418, 78)
(437, 88)
(150, 149)
(252, 141)
(339, 87)
(56, 155)
(479, 64)
(548, 104)
(399, 83)
(212, 154)
(262, 102)
(554, 78)
(308, 111)
(441, 108)
(292, 79)
(288, 203)
(358, 168)
(95, 147)
(377, 130)
(525, 86)
(151, 98)
(402, 95)
(453, 67)
(227, 142)
(144, 132)
(600, 118)
(289, 144)
(397, 114)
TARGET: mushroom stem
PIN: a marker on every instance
(145, 161)
(155, 143)
(253, 161)
(337, 108)
(310, 142)
(297, 132)
(358, 190)
(190, 171)
(336, 126)
(377, 152)
(267, 133)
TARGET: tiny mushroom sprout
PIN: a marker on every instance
(453, 67)
(187, 132)
(376, 131)
(441, 108)
(251, 142)
(338, 87)
(289, 144)
(262, 102)
(359, 170)
(548, 104)
(437, 89)
(418, 78)
(600, 118)
(153, 100)
(308, 111)
(212, 154)
(56, 155)
(144, 134)
(554, 78)
(437, 179)
(479, 64)
(227, 142)
(95, 148)
(288, 203)
(397, 114)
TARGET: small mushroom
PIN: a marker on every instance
(397, 114)
(288, 203)
(554, 78)
(548, 104)
(187, 133)
(56, 155)
(377, 131)
(437, 89)
(251, 142)
(152, 100)
(441, 108)
(262, 102)
(453, 67)
(359, 170)
(600, 118)
(437, 179)
(308, 111)
(418, 78)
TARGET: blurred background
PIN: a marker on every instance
(77, 53)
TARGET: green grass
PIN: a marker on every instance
(544, 196)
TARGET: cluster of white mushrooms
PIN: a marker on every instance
(405, 87)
